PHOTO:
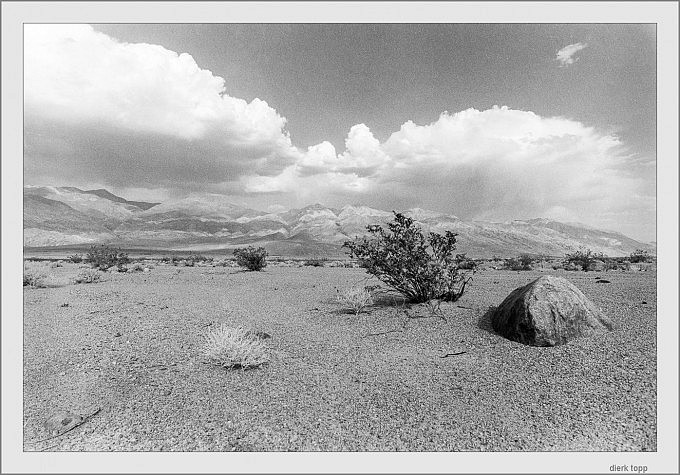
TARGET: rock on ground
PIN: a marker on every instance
(547, 312)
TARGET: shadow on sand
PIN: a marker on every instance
(484, 321)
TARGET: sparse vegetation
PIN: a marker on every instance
(234, 348)
(465, 263)
(434, 309)
(355, 299)
(34, 276)
(193, 259)
(88, 276)
(403, 258)
(639, 255)
(315, 262)
(585, 258)
(103, 257)
(137, 267)
(521, 263)
(617, 263)
(251, 258)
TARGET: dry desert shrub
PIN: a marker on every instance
(253, 259)
(315, 262)
(583, 258)
(34, 275)
(523, 262)
(88, 276)
(101, 256)
(355, 299)
(420, 267)
(640, 255)
(137, 267)
(234, 348)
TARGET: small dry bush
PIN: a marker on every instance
(253, 259)
(315, 262)
(523, 262)
(197, 259)
(584, 258)
(101, 256)
(640, 255)
(34, 275)
(234, 348)
(137, 267)
(615, 263)
(88, 276)
(355, 299)
(466, 263)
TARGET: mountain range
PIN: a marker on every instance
(68, 216)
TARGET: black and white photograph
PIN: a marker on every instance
(362, 232)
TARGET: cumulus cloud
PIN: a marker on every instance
(141, 117)
(565, 56)
(89, 93)
(494, 164)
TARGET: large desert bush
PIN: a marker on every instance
(34, 275)
(251, 258)
(101, 256)
(234, 348)
(422, 268)
(585, 258)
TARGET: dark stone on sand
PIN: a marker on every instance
(549, 311)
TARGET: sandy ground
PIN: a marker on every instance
(131, 345)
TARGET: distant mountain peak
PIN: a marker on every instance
(106, 194)
(68, 215)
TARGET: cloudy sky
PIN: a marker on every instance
(492, 122)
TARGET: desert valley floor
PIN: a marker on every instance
(131, 346)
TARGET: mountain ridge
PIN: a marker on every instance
(56, 216)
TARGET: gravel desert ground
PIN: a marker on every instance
(131, 347)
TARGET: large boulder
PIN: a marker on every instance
(547, 312)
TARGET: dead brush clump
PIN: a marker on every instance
(34, 275)
(88, 276)
(234, 348)
(137, 267)
(355, 299)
